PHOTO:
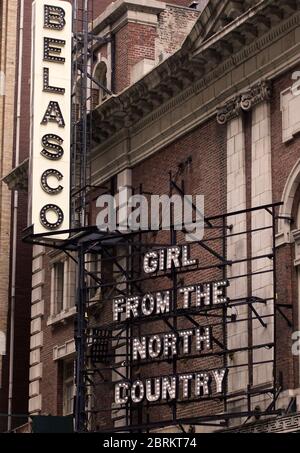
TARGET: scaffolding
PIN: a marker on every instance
(84, 44)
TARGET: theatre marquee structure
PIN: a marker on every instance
(170, 335)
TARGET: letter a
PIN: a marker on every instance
(53, 113)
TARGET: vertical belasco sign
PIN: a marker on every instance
(51, 116)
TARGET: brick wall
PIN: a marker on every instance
(99, 6)
(284, 157)
(53, 335)
(133, 43)
(174, 26)
(9, 64)
(205, 175)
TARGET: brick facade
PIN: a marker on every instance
(9, 42)
(133, 43)
(252, 167)
(144, 40)
(173, 93)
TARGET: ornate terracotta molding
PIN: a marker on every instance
(231, 109)
(244, 102)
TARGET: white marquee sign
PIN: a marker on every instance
(51, 115)
(167, 345)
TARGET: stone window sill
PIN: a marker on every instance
(62, 317)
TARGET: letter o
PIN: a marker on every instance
(45, 222)
(137, 385)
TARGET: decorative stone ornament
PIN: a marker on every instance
(244, 102)
(230, 110)
(258, 93)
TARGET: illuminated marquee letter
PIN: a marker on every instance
(121, 393)
(154, 346)
(132, 304)
(53, 113)
(148, 304)
(170, 345)
(173, 254)
(54, 17)
(202, 384)
(150, 262)
(47, 87)
(45, 184)
(202, 295)
(137, 392)
(203, 338)
(186, 379)
(186, 339)
(117, 308)
(50, 50)
(218, 292)
(168, 388)
(139, 347)
(47, 142)
(186, 260)
(187, 295)
(163, 302)
(219, 376)
(45, 213)
(153, 389)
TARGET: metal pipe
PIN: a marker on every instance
(15, 225)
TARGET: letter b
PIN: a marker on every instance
(54, 17)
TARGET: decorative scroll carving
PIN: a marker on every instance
(258, 93)
(230, 110)
(244, 101)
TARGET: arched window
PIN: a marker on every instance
(100, 75)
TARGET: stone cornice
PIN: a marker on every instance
(119, 152)
(245, 101)
(17, 179)
(182, 82)
(181, 75)
(114, 12)
(194, 105)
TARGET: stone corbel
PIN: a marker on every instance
(258, 93)
(228, 111)
(245, 101)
